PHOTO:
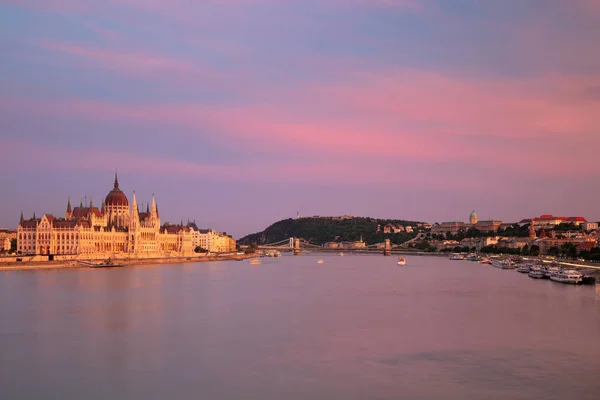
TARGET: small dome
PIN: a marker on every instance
(473, 214)
(116, 197)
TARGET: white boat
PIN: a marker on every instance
(472, 257)
(485, 260)
(320, 262)
(401, 261)
(567, 276)
(503, 264)
(551, 270)
(536, 273)
(457, 257)
(524, 268)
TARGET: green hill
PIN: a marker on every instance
(319, 230)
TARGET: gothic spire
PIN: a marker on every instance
(116, 180)
(154, 208)
(69, 210)
(22, 219)
(91, 202)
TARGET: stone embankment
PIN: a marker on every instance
(64, 264)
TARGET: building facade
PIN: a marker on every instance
(115, 228)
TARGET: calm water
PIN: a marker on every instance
(355, 327)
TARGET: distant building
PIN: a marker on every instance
(550, 221)
(6, 237)
(473, 218)
(488, 226)
(589, 226)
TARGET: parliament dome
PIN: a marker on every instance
(116, 197)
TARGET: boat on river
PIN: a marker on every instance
(401, 261)
(472, 257)
(567, 276)
(524, 268)
(108, 263)
(503, 264)
(536, 272)
(457, 257)
(551, 270)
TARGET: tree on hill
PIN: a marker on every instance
(321, 230)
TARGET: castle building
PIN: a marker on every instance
(474, 222)
(115, 228)
(473, 218)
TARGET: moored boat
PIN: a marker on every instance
(503, 264)
(107, 264)
(551, 270)
(536, 273)
(401, 261)
(472, 257)
(457, 257)
(567, 276)
(524, 268)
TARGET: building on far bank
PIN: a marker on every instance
(114, 228)
(454, 227)
(589, 226)
(6, 236)
(549, 221)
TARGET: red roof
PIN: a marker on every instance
(586, 246)
(577, 219)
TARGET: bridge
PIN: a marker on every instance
(297, 245)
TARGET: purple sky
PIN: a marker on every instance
(239, 112)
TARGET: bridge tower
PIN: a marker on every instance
(387, 249)
(296, 246)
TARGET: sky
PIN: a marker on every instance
(239, 113)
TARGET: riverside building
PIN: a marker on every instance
(116, 228)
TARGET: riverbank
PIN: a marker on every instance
(36, 265)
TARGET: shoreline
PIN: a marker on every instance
(73, 264)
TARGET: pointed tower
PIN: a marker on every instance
(91, 202)
(147, 208)
(103, 209)
(69, 212)
(22, 219)
(135, 213)
(154, 208)
(34, 215)
(532, 230)
(116, 180)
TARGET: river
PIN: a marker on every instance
(353, 327)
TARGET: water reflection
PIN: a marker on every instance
(356, 328)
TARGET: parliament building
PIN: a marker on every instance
(115, 229)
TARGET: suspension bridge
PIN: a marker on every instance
(298, 245)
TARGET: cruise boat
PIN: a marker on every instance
(536, 273)
(472, 257)
(524, 268)
(485, 260)
(503, 264)
(401, 261)
(551, 270)
(457, 257)
(255, 261)
(567, 276)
